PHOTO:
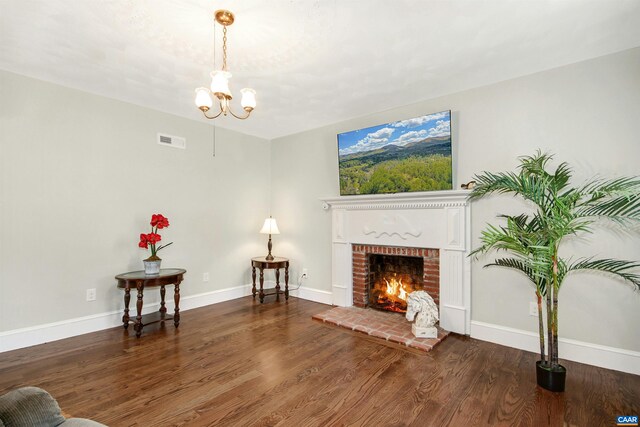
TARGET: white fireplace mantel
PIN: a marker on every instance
(436, 219)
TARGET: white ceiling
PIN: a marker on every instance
(312, 62)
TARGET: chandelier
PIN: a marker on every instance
(220, 81)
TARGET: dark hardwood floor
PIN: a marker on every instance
(240, 363)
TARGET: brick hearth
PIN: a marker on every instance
(384, 325)
(361, 277)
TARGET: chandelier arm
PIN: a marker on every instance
(238, 117)
(213, 117)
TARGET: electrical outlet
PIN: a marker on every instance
(533, 309)
(91, 294)
(305, 273)
(205, 277)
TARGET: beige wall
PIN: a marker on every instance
(80, 177)
(586, 113)
(81, 174)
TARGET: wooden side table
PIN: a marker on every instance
(276, 264)
(139, 280)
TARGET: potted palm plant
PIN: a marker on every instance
(533, 240)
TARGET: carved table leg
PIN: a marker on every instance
(127, 298)
(163, 309)
(277, 284)
(253, 276)
(261, 285)
(138, 325)
(286, 282)
(176, 299)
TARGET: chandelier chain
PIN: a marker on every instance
(215, 40)
(224, 48)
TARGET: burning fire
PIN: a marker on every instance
(395, 288)
(391, 292)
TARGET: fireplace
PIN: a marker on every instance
(434, 223)
(383, 275)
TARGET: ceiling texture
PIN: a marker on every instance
(311, 62)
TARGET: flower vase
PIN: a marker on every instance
(152, 265)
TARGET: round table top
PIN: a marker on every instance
(264, 259)
(137, 275)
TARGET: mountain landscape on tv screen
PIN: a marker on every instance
(394, 158)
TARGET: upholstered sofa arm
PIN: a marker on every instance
(34, 407)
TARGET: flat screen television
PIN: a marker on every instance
(403, 156)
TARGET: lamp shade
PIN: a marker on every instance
(203, 98)
(220, 83)
(248, 100)
(270, 227)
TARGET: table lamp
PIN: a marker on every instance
(270, 227)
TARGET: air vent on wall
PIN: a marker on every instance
(172, 141)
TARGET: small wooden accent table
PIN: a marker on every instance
(139, 280)
(276, 264)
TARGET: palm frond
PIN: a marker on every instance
(620, 208)
(497, 238)
(616, 267)
(530, 187)
(521, 220)
(562, 175)
(523, 266)
(563, 269)
(599, 188)
(536, 164)
(488, 182)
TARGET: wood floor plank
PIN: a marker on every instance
(241, 363)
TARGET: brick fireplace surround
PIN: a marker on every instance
(435, 222)
(431, 269)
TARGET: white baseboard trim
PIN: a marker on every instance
(310, 294)
(214, 297)
(324, 297)
(39, 334)
(577, 351)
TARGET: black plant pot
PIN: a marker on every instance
(550, 379)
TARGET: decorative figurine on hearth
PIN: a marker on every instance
(421, 306)
(468, 186)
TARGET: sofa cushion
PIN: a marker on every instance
(29, 406)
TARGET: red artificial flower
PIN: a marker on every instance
(149, 240)
(159, 221)
(153, 238)
(143, 241)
